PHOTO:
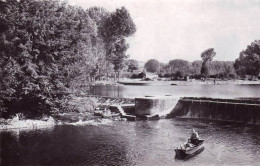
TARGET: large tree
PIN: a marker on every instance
(102, 66)
(206, 56)
(248, 62)
(44, 43)
(46, 48)
(152, 66)
(117, 27)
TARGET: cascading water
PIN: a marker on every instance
(167, 106)
(155, 105)
(121, 110)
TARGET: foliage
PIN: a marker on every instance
(147, 79)
(140, 75)
(115, 29)
(132, 65)
(196, 76)
(204, 70)
(177, 75)
(48, 48)
(248, 62)
(196, 67)
(206, 56)
(179, 65)
(193, 69)
(152, 66)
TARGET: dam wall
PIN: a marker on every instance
(235, 110)
(154, 105)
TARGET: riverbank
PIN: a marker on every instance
(187, 83)
(81, 112)
(164, 81)
(17, 123)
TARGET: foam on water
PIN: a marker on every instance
(91, 122)
(15, 123)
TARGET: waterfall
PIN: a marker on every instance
(121, 110)
(167, 106)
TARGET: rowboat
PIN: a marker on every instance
(189, 149)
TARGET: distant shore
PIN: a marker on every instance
(180, 82)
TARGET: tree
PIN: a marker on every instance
(196, 67)
(152, 65)
(227, 71)
(248, 62)
(177, 75)
(45, 48)
(132, 65)
(206, 56)
(179, 65)
(117, 27)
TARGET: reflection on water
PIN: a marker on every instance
(215, 91)
(131, 143)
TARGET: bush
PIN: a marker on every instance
(126, 75)
(196, 76)
(212, 76)
(84, 105)
(134, 76)
(232, 76)
(140, 75)
(147, 79)
(167, 75)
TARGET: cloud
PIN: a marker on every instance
(171, 29)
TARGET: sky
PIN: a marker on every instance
(182, 29)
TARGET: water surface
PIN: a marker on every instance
(143, 143)
(205, 90)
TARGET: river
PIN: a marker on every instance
(143, 143)
(227, 91)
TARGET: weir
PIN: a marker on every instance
(243, 110)
(154, 105)
(235, 110)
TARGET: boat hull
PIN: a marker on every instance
(190, 151)
(184, 156)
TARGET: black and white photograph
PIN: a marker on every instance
(130, 82)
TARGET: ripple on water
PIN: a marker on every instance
(131, 143)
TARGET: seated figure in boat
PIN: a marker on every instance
(194, 138)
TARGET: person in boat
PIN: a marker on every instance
(194, 138)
